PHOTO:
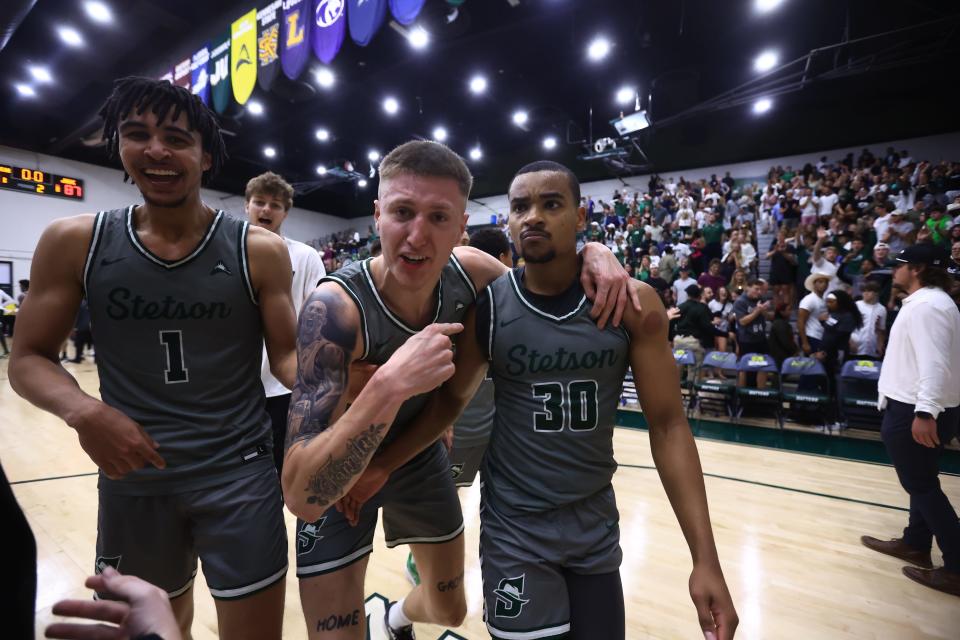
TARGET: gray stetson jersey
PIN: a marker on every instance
(178, 351)
(473, 426)
(384, 332)
(557, 382)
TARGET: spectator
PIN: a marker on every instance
(812, 313)
(953, 267)
(738, 284)
(713, 237)
(694, 331)
(712, 279)
(723, 318)
(824, 260)
(751, 314)
(656, 281)
(898, 232)
(938, 224)
(680, 285)
(869, 340)
(783, 270)
(668, 264)
(783, 345)
(81, 332)
(843, 319)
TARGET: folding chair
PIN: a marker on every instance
(755, 399)
(858, 394)
(687, 367)
(804, 390)
(717, 393)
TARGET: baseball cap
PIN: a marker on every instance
(923, 253)
(881, 245)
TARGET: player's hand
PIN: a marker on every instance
(447, 439)
(708, 590)
(140, 609)
(606, 284)
(424, 362)
(367, 485)
(924, 432)
(114, 442)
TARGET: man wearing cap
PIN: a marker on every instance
(920, 390)
(824, 260)
(695, 327)
(812, 311)
(898, 232)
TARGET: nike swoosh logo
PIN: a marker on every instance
(106, 263)
(504, 323)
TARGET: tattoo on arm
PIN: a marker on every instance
(327, 484)
(324, 351)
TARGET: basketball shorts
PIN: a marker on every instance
(523, 559)
(159, 537)
(465, 463)
(420, 505)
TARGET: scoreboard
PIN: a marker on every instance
(40, 182)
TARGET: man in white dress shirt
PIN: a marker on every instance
(920, 389)
(268, 200)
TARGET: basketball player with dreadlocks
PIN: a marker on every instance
(181, 298)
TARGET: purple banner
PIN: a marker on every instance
(268, 44)
(295, 37)
(181, 74)
(405, 11)
(199, 78)
(329, 27)
(365, 17)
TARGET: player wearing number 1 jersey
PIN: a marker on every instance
(182, 297)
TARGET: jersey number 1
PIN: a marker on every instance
(176, 370)
(573, 405)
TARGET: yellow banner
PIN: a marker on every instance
(243, 56)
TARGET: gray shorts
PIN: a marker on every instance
(465, 463)
(523, 558)
(159, 537)
(420, 505)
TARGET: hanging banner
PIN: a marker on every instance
(365, 17)
(181, 74)
(220, 72)
(199, 80)
(243, 47)
(329, 27)
(295, 37)
(268, 44)
(168, 76)
(405, 11)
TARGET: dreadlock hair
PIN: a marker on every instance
(138, 94)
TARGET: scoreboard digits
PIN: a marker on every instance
(40, 182)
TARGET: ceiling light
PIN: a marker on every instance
(361, 183)
(321, 170)
(762, 105)
(520, 118)
(70, 36)
(322, 135)
(625, 95)
(25, 90)
(478, 84)
(98, 12)
(40, 74)
(418, 38)
(439, 134)
(255, 108)
(476, 153)
(766, 61)
(391, 106)
(549, 143)
(325, 77)
(763, 6)
(270, 152)
(598, 49)
(373, 156)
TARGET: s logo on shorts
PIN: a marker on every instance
(308, 535)
(509, 602)
(456, 470)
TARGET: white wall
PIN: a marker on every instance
(23, 216)
(932, 148)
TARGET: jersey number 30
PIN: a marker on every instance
(573, 405)
(176, 369)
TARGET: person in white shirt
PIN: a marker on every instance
(685, 221)
(919, 388)
(828, 200)
(680, 284)
(268, 199)
(870, 339)
(809, 207)
(898, 232)
(813, 310)
(824, 261)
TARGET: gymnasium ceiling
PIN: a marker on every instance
(692, 62)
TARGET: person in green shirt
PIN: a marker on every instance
(938, 224)
(713, 237)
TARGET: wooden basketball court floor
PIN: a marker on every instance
(787, 528)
